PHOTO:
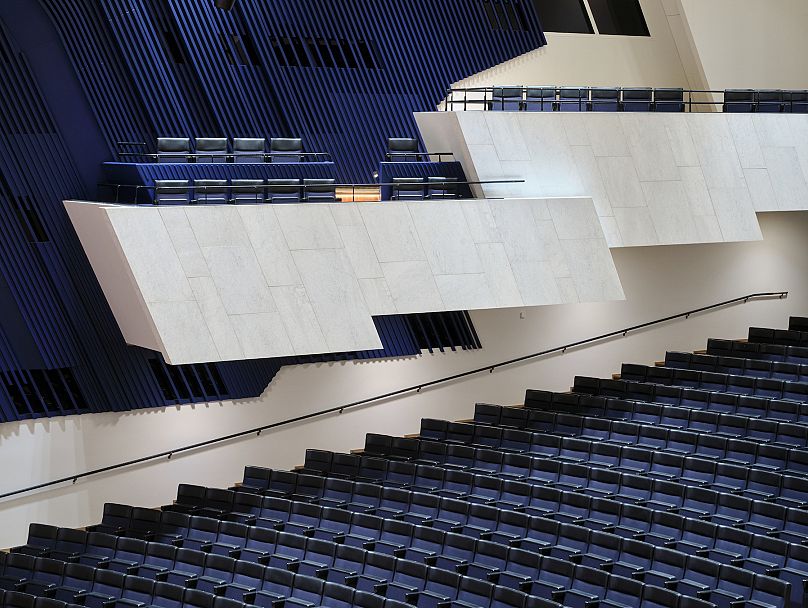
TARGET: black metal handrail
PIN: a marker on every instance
(491, 98)
(257, 189)
(416, 388)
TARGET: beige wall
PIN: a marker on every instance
(743, 43)
(594, 60)
(658, 281)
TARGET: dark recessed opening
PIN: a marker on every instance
(565, 16)
(619, 17)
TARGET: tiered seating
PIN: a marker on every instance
(680, 485)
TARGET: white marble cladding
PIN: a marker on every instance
(655, 178)
(223, 283)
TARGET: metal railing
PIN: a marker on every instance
(415, 388)
(218, 194)
(554, 98)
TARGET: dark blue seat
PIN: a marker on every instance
(604, 100)
(506, 99)
(739, 100)
(669, 100)
(573, 99)
(540, 99)
(636, 100)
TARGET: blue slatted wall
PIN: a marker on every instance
(77, 76)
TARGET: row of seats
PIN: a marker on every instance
(244, 150)
(751, 350)
(242, 191)
(581, 99)
(795, 372)
(783, 337)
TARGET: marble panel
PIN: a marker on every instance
(412, 286)
(392, 232)
(377, 296)
(465, 291)
(183, 332)
(622, 182)
(735, 213)
(636, 226)
(445, 237)
(499, 275)
(574, 218)
(262, 335)
(670, 211)
(360, 251)
(308, 226)
(216, 225)
(184, 240)
(151, 255)
(761, 190)
(337, 299)
(592, 180)
(481, 222)
(239, 280)
(506, 136)
(747, 143)
(650, 147)
(299, 320)
(787, 178)
(269, 243)
(216, 319)
(593, 272)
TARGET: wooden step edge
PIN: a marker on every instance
(701, 351)
(659, 363)
(615, 376)
(359, 452)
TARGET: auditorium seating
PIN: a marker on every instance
(678, 485)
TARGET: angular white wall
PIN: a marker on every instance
(656, 178)
(217, 283)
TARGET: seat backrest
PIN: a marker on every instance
(402, 144)
(249, 149)
(210, 190)
(211, 149)
(283, 190)
(171, 191)
(173, 149)
(669, 100)
(247, 191)
(321, 190)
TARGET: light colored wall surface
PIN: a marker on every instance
(755, 44)
(595, 60)
(655, 178)
(252, 281)
(658, 281)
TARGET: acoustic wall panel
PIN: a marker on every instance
(655, 178)
(262, 281)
